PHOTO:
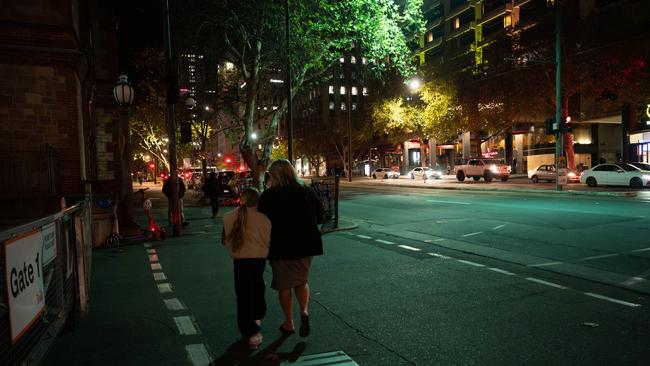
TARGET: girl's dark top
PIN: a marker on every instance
(294, 213)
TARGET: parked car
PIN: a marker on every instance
(384, 173)
(224, 178)
(641, 166)
(419, 172)
(547, 172)
(619, 174)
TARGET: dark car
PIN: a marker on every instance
(240, 181)
(224, 178)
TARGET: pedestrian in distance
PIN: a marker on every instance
(167, 191)
(247, 235)
(211, 188)
(140, 178)
(295, 212)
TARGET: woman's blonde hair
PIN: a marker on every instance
(248, 198)
(283, 175)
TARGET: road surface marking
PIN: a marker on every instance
(632, 280)
(533, 279)
(384, 241)
(159, 276)
(349, 233)
(439, 256)
(147, 245)
(641, 250)
(174, 304)
(153, 257)
(164, 288)
(363, 236)
(330, 358)
(472, 234)
(198, 354)
(630, 304)
(409, 248)
(185, 325)
(545, 264)
(432, 240)
(471, 263)
(599, 256)
(501, 271)
(498, 227)
(151, 251)
(156, 266)
(451, 202)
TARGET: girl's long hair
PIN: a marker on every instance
(283, 175)
(249, 198)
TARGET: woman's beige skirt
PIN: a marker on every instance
(291, 273)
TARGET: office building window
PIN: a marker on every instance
(354, 91)
(354, 106)
(331, 106)
(342, 90)
(342, 60)
(364, 60)
(507, 21)
(353, 60)
(342, 106)
(365, 91)
(331, 89)
(456, 23)
(430, 37)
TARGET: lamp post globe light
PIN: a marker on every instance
(123, 93)
(414, 84)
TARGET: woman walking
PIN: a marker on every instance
(247, 234)
(295, 212)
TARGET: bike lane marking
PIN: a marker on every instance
(409, 248)
(185, 325)
(384, 241)
(542, 282)
(610, 299)
(198, 354)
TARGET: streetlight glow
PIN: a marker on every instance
(254, 136)
(414, 84)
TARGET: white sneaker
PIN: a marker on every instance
(255, 340)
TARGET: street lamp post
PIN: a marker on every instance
(123, 93)
(288, 76)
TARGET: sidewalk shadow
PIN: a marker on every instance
(239, 354)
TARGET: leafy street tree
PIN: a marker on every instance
(251, 35)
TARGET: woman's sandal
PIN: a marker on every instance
(286, 331)
(304, 325)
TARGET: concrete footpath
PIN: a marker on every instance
(172, 302)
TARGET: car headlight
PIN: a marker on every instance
(494, 169)
(646, 176)
(571, 174)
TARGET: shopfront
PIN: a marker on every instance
(640, 146)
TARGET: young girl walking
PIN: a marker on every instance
(247, 234)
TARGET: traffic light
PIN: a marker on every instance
(228, 160)
(186, 132)
(549, 125)
(151, 166)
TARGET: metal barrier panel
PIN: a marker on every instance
(49, 260)
(327, 189)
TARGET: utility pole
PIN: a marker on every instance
(289, 115)
(349, 105)
(559, 135)
(172, 90)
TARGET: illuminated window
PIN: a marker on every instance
(229, 66)
(507, 21)
(456, 23)
(364, 60)
(342, 106)
(354, 91)
(365, 91)
(342, 90)
(331, 89)
(430, 37)
(332, 106)
(354, 106)
(353, 59)
(342, 60)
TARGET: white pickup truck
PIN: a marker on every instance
(486, 168)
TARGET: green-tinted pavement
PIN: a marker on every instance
(183, 312)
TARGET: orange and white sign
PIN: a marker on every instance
(24, 276)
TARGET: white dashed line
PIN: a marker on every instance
(621, 302)
(641, 250)
(363, 237)
(151, 251)
(542, 282)
(498, 227)
(410, 248)
(452, 202)
(159, 276)
(198, 354)
(439, 256)
(164, 288)
(156, 266)
(185, 325)
(471, 263)
(632, 280)
(498, 270)
(434, 240)
(153, 257)
(174, 304)
(472, 234)
(384, 241)
(545, 264)
(599, 256)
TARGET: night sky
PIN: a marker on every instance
(139, 25)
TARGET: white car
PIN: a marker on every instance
(547, 172)
(419, 172)
(620, 174)
(384, 173)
